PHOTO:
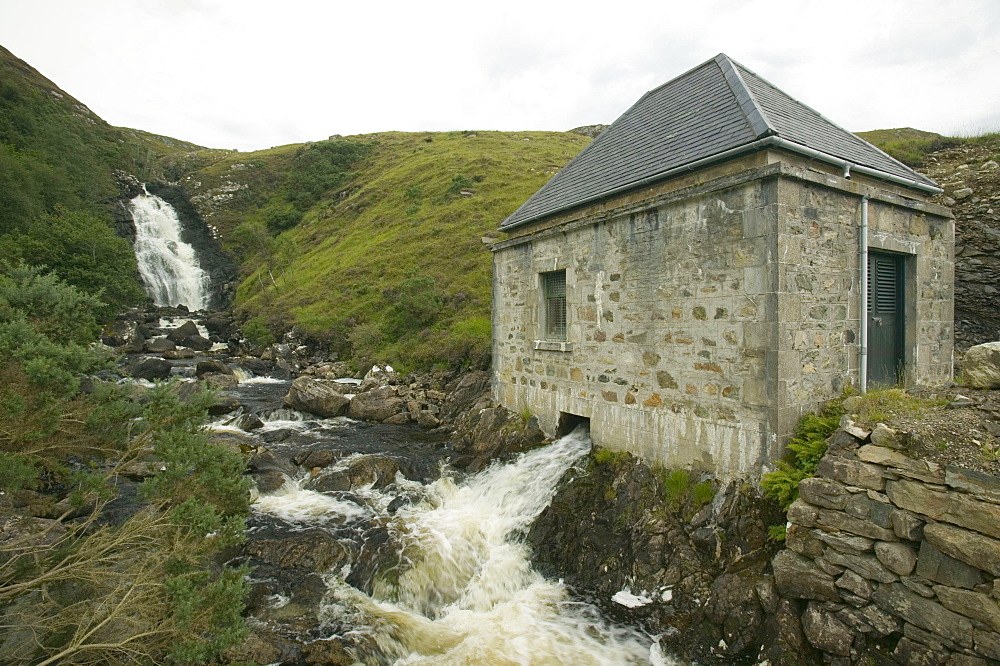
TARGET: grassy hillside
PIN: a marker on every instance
(57, 184)
(389, 262)
(912, 147)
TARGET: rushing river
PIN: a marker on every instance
(438, 570)
(462, 589)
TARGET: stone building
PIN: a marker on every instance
(692, 282)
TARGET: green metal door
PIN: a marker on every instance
(885, 319)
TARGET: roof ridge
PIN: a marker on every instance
(751, 108)
(916, 174)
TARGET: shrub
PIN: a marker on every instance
(101, 588)
(459, 183)
(257, 333)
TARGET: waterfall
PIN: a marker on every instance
(168, 266)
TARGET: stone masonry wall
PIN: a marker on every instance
(667, 332)
(818, 284)
(704, 321)
(896, 556)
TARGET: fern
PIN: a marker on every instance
(807, 448)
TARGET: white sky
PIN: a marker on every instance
(251, 74)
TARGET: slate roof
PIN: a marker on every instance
(710, 112)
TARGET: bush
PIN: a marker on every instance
(101, 588)
(257, 333)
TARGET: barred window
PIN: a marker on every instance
(554, 293)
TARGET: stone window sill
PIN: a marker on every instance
(553, 345)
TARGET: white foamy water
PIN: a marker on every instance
(466, 592)
(168, 266)
(258, 379)
(293, 504)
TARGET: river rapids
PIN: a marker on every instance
(459, 588)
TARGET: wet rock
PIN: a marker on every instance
(120, 332)
(256, 366)
(487, 432)
(212, 366)
(150, 368)
(329, 480)
(269, 481)
(265, 646)
(327, 652)
(377, 404)
(185, 330)
(247, 422)
(159, 345)
(197, 342)
(224, 404)
(317, 459)
(311, 549)
(178, 354)
(320, 397)
(376, 471)
(219, 325)
(237, 442)
(219, 382)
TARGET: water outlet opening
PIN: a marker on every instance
(569, 422)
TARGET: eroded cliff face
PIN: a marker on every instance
(649, 556)
(970, 176)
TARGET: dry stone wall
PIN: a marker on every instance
(894, 555)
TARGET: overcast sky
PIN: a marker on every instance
(251, 74)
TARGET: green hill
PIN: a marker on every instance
(57, 184)
(386, 260)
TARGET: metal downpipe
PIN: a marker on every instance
(863, 293)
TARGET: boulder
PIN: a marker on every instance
(212, 365)
(367, 470)
(159, 345)
(376, 405)
(237, 442)
(247, 422)
(317, 396)
(185, 330)
(197, 342)
(219, 325)
(255, 365)
(224, 404)
(981, 366)
(150, 368)
(219, 382)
